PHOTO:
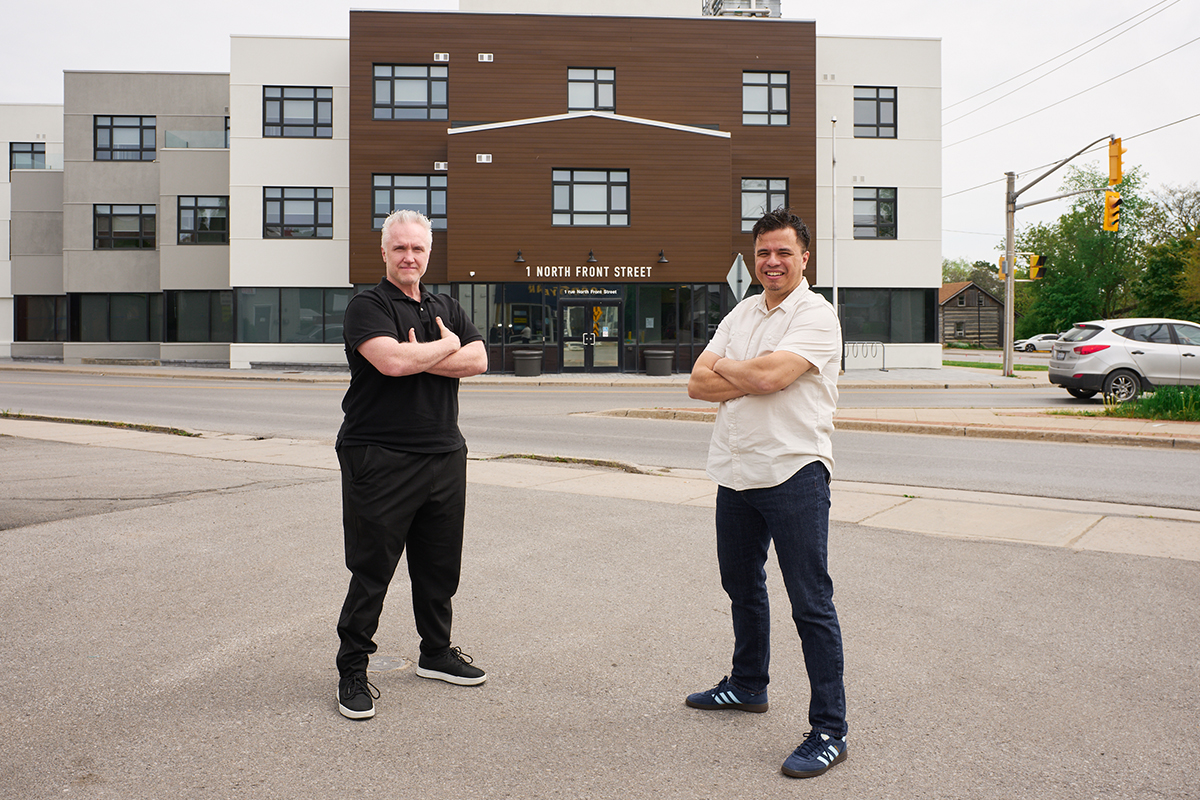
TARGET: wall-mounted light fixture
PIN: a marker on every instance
(519, 259)
(591, 256)
(662, 257)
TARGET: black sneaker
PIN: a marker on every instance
(453, 666)
(724, 696)
(354, 696)
(818, 753)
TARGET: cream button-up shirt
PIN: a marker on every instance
(763, 440)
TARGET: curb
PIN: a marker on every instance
(936, 429)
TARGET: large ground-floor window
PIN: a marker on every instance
(891, 316)
(630, 319)
(115, 317)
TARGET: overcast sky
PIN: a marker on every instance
(983, 47)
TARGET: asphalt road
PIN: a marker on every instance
(550, 420)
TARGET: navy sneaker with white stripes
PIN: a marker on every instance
(724, 696)
(818, 753)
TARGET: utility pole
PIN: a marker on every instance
(837, 310)
(1011, 207)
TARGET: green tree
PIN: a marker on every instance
(1168, 287)
(983, 273)
(1091, 271)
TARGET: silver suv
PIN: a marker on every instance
(1122, 357)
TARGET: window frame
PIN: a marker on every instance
(596, 81)
(878, 223)
(876, 129)
(147, 236)
(109, 122)
(195, 206)
(35, 149)
(769, 191)
(321, 197)
(438, 220)
(774, 117)
(571, 183)
(320, 98)
(431, 109)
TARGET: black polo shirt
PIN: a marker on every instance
(414, 413)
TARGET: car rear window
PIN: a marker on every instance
(1080, 333)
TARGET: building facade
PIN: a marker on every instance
(591, 207)
(31, 204)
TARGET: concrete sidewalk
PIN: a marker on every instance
(1077, 525)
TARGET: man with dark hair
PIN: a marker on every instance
(403, 460)
(773, 366)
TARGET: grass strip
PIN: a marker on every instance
(132, 426)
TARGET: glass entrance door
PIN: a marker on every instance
(591, 336)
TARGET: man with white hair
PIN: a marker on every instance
(403, 460)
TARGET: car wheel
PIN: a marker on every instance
(1081, 394)
(1122, 386)
(1029, 348)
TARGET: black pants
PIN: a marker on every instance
(392, 500)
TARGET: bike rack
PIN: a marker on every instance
(866, 350)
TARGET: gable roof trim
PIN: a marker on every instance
(581, 114)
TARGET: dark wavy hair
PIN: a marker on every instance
(779, 219)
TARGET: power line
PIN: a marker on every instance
(1055, 58)
(1094, 149)
(1072, 97)
(1060, 66)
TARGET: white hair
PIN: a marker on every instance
(405, 216)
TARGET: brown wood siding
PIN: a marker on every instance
(506, 204)
(682, 71)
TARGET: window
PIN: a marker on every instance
(1188, 334)
(411, 92)
(889, 315)
(424, 193)
(199, 316)
(960, 330)
(124, 138)
(303, 112)
(764, 98)
(297, 212)
(979, 298)
(120, 227)
(590, 197)
(116, 317)
(591, 89)
(759, 196)
(40, 318)
(203, 220)
(290, 314)
(874, 213)
(875, 112)
(962, 300)
(26, 155)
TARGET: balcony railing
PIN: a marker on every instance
(37, 161)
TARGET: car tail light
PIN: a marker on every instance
(1088, 349)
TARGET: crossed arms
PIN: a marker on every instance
(446, 356)
(717, 379)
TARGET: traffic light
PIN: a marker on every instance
(1037, 267)
(1003, 273)
(1112, 210)
(1114, 162)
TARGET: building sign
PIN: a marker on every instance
(576, 271)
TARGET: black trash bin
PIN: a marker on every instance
(527, 363)
(658, 362)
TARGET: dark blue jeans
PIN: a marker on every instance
(795, 514)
